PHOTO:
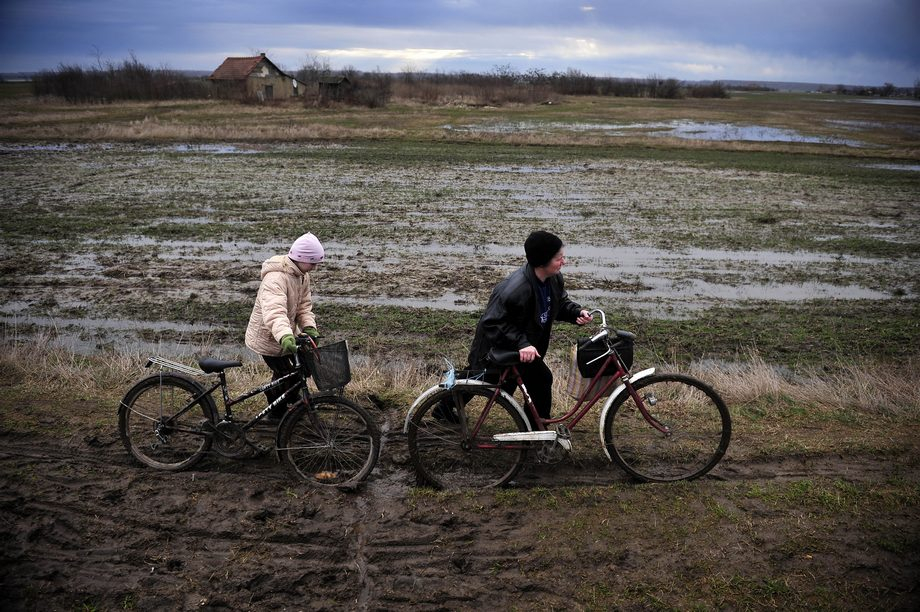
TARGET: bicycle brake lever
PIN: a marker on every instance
(599, 335)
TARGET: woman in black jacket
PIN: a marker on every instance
(520, 315)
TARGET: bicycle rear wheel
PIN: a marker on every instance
(444, 454)
(333, 442)
(698, 423)
(161, 427)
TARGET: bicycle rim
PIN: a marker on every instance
(443, 455)
(155, 433)
(333, 443)
(699, 429)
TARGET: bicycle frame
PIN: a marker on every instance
(229, 401)
(592, 394)
(595, 390)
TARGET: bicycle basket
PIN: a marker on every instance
(329, 366)
(592, 355)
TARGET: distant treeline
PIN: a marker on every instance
(888, 90)
(130, 80)
(504, 85)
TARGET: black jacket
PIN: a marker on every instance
(512, 318)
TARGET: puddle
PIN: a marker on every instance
(530, 169)
(55, 148)
(211, 149)
(86, 336)
(729, 131)
(445, 301)
(704, 294)
(218, 149)
(664, 283)
(887, 102)
(902, 167)
(689, 130)
(656, 280)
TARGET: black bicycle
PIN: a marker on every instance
(169, 420)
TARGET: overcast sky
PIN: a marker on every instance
(853, 42)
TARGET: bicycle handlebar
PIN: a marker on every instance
(605, 330)
(305, 340)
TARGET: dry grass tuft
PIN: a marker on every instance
(870, 388)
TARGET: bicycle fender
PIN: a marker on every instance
(421, 398)
(613, 396)
(465, 382)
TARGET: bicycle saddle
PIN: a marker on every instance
(211, 365)
(503, 357)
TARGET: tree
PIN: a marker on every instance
(314, 69)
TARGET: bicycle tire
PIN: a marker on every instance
(443, 456)
(698, 420)
(153, 431)
(332, 442)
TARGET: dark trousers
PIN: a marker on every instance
(539, 382)
(280, 367)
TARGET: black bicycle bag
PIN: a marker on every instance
(591, 356)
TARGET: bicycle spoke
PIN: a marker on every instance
(697, 425)
(333, 442)
(160, 427)
(445, 458)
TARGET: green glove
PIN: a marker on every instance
(311, 331)
(288, 344)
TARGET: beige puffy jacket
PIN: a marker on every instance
(283, 306)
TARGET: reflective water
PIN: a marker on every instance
(691, 130)
(904, 167)
(221, 149)
(649, 279)
(889, 101)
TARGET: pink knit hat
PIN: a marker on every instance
(307, 249)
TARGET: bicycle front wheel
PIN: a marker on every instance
(331, 442)
(442, 446)
(162, 426)
(696, 423)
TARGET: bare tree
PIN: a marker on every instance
(314, 69)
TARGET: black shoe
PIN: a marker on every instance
(446, 413)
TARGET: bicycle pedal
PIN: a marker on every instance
(260, 448)
(526, 436)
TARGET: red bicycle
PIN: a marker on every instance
(467, 432)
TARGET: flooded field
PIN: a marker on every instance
(143, 226)
(689, 130)
(135, 245)
(786, 273)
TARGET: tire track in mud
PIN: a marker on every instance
(81, 522)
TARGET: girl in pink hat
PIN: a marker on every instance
(283, 308)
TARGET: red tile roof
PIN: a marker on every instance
(236, 68)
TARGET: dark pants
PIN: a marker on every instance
(536, 377)
(539, 382)
(280, 367)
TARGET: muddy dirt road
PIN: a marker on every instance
(85, 528)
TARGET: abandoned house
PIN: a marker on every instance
(333, 87)
(254, 78)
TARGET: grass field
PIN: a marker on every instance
(785, 271)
